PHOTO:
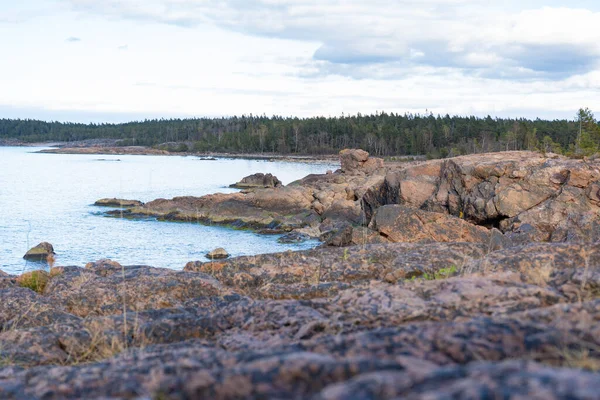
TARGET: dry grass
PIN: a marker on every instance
(581, 359)
(104, 344)
(34, 280)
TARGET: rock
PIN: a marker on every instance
(526, 195)
(40, 252)
(355, 160)
(110, 290)
(122, 203)
(104, 267)
(218, 254)
(401, 224)
(340, 237)
(293, 237)
(282, 209)
(258, 180)
(330, 265)
(509, 379)
(392, 320)
(34, 280)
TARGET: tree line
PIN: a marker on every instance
(381, 134)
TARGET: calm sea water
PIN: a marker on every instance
(49, 197)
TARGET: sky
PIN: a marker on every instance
(121, 60)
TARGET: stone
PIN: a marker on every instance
(218, 254)
(293, 237)
(356, 160)
(121, 203)
(398, 223)
(554, 197)
(258, 180)
(40, 252)
(390, 320)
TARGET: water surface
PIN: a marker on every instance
(49, 197)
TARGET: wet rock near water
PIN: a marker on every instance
(258, 180)
(118, 203)
(293, 237)
(41, 252)
(217, 254)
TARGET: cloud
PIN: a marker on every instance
(471, 35)
(123, 47)
(73, 39)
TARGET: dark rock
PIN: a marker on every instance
(218, 254)
(293, 237)
(123, 203)
(40, 252)
(395, 320)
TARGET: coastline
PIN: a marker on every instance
(424, 281)
(142, 150)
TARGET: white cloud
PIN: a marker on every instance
(304, 57)
(467, 34)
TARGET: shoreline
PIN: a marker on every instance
(142, 150)
(412, 291)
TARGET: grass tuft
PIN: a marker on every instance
(34, 280)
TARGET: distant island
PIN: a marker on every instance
(382, 134)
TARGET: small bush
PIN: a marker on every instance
(34, 280)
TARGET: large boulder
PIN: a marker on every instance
(258, 180)
(40, 252)
(399, 223)
(525, 194)
(356, 161)
(217, 254)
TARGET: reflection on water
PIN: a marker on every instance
(49, 197)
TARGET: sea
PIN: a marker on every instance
(50, 197)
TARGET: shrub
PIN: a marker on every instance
(34, 280)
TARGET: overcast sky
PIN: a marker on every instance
(118, 60)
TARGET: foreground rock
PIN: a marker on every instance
(408, 320)
(118, 203)
(40, 252)
(258, 180)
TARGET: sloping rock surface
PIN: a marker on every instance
(394, 320)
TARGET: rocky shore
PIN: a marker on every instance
(472, 277)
